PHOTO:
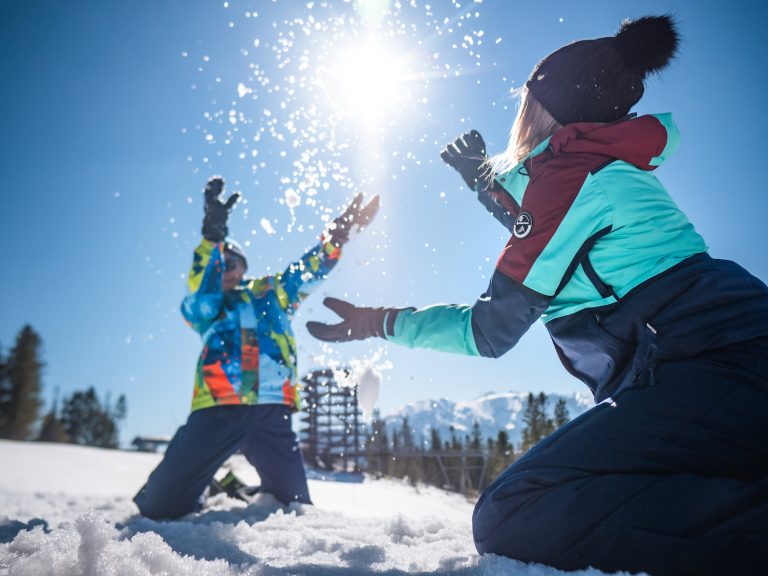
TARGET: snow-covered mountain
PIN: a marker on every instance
(492, 411)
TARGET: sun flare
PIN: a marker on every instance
(367, 81)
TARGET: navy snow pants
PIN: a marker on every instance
(211, 435)
(671, 479)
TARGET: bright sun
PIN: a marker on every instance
(367, 81)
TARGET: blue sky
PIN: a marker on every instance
(115, 114)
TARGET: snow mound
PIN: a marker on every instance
(56, 522)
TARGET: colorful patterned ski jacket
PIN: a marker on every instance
(603, 255)
(249, 351)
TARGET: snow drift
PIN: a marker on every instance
(67, 510)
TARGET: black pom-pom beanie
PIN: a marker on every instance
(600, 80)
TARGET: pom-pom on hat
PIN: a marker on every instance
(600, 80)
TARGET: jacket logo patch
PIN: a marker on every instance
(523, 225)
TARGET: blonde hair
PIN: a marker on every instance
(532, 126)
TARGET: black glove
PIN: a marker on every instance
(217, 212)
(467, 156)
(358, 323)
(355, 215)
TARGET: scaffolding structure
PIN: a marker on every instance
(333, 429)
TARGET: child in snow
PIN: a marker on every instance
(246, 382)
(671, 475)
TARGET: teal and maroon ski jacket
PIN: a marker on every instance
(604, 256)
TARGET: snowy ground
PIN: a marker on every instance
(67, 510)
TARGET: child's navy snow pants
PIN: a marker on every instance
(668, 479)
(211, 435)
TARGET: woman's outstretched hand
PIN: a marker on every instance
(357, 323)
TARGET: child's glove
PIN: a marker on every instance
(467, 156)
(354, 215)
(217, 212)
(357, 324)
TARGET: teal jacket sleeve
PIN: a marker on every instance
(490, 327)
(443, 327)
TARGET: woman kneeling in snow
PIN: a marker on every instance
(671, 475)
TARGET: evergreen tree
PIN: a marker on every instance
(547, 425)
(531, 432)
(503, 445)
(433, 471)
(475, 463)
(408, 466)
(502, 455)
(5, 394)
(52, 429)
(435, 442)
(537, 425)
(120, 410)
(22, 376)
(396, 463)
(455, 440)
(476, 440)
(377, 446)
(406, 435)
(88, 422)
(562, 415)
(395, 441)
(382, 446)
(454, 470)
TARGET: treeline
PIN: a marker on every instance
(82, 418)
(463, 463)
